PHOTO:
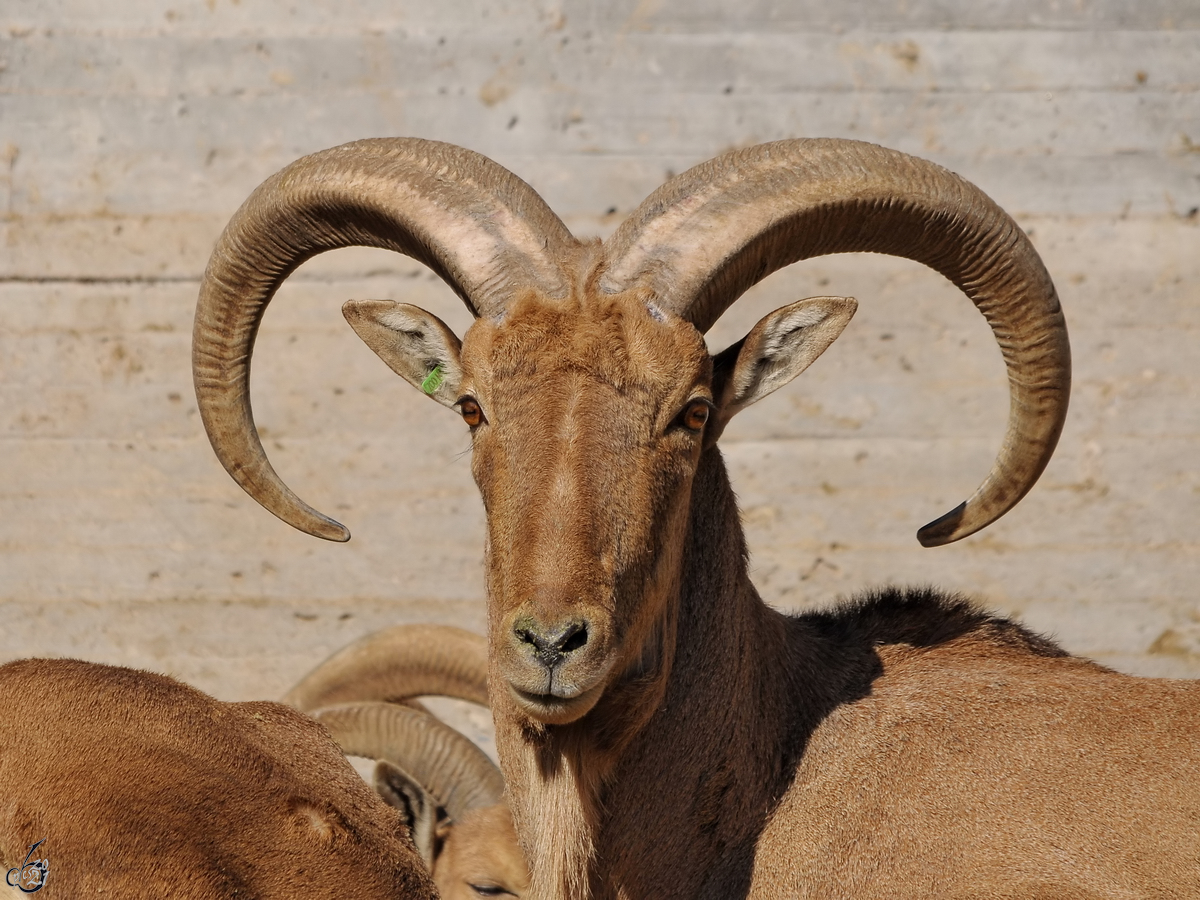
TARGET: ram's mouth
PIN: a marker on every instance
(553, 708)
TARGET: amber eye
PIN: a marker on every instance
(695, 415)
(470, 411)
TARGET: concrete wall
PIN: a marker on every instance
(129, 135)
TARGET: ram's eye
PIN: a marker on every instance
(470, 411)
(490, 890)
(695, 415)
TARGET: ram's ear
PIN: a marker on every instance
(418, 808)
(781, 346)
(416, 345)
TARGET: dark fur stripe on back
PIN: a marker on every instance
(922, 617)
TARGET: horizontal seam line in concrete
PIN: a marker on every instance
(1063, 88)
(189, 279)
(430, 33)
(98, 279)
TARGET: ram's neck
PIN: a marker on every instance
(711, 754)
(716, 756)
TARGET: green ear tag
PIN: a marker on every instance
(433, 380)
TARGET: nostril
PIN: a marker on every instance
(528, 636)
(575, 637)
(551, 645)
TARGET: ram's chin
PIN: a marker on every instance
(550, 709)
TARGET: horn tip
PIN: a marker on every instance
(945, 529)
(328, 529)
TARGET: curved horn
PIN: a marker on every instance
(396, 664)
(447, 764)
(706, 236)
(483, 230)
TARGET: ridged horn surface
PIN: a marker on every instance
(396, 664)
(483, 230)
(706, 236)
(445, 763)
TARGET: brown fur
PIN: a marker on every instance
(145, 788)
(904, 745)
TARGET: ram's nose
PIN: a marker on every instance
(555, 658)
(550, 642)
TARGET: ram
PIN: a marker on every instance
(134, 785)
(449, 792)
(664, 733)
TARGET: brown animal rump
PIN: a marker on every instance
(142, 787)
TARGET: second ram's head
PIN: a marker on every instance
(448, 791)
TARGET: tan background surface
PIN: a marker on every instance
(128, 136)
